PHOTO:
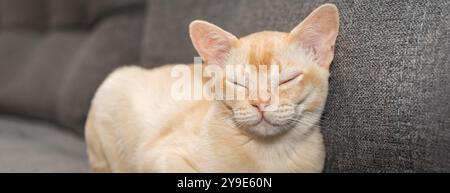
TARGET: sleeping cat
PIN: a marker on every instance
(134, 125)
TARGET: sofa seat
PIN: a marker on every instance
(34, 146)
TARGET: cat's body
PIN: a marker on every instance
(154, 135)
(134, 124)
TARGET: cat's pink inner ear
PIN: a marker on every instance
(317, 33)
(211, 42)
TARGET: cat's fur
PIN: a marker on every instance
(134, 125)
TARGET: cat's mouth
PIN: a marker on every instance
(265, 127)
(264, 120)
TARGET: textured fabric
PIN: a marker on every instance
(44, 14)
(52, 74)
(67, 13)
(116, 42)
(53, 56)
(34, 146)
(389, 105)
(15, 48)
(34, 88)
(98, 9)
(167, 36)
(388, 108)
(22, 14)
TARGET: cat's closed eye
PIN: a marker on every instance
(236, 83)
(239, 84)
(291, 79)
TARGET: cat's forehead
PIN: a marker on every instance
(261, 48)
(265, 48)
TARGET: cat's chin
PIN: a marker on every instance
(266, 129)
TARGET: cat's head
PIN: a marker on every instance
(303, 57)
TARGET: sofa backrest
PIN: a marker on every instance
(55, 53)
(45, 14)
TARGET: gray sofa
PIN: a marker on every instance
(388, 108)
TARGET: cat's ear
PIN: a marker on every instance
(318, 33)
(211, 42)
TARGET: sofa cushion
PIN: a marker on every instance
(32, 85)
(15, 48)
(35, 146)
(53, 74)
(167, 37)
(388, 108)
(66, 13)
(97, 10)
(44, 14)
(22, 14)
(113, 43)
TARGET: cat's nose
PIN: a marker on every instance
(260, 104)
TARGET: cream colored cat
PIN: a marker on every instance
(134, 125)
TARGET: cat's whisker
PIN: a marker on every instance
(303, 122)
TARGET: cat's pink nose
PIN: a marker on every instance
(262, 106)
(262, 101)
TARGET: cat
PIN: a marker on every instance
(134, 125)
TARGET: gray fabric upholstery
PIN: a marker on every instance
(389, 103)
(388, 108)
(98, 9)
(34, 146)
(115, 42)
(15, 47)
(53, 56)
(52, 65)
(22, 14)
(34, 88)
(44, 14)
(67, 13)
